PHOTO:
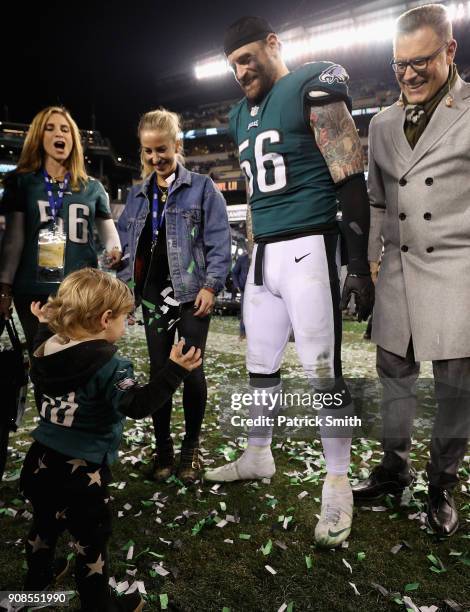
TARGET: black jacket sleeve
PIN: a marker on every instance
(140, 401)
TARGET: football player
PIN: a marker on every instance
(301, 154)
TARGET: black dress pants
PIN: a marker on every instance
(451, 429)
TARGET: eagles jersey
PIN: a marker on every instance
(290, 187)
(85, 392)
(76, 215)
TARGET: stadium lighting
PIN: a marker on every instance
(215, 67)
(327, 40)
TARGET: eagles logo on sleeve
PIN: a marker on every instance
(334, 74)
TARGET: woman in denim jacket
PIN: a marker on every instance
(176, 242)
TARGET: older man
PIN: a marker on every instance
(418, 177)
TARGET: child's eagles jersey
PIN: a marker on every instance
(77, 214)
(290, 187)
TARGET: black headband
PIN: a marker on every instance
(245, 30)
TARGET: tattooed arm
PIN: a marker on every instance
(338, 141)
(337, 138)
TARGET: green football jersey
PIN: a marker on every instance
(76, 216)
(290, 187)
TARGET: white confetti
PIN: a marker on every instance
(130, 553)
(354, 588)
(347, 565)
(410, 605)
(270, 570)
(302, 495)
(171, 302)
(161, 571)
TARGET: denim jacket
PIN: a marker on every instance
(197, 233)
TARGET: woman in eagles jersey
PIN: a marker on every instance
(52, 207)
(176, 242)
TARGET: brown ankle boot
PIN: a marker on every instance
(164, 462)
(190, 465)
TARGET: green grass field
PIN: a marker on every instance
(249, 546)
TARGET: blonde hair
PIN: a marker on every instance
(166, 121)
(434, 16)
(32, 154)
(81, 300)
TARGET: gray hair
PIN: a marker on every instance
(434, 16)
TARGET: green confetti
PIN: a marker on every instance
(308, 562)
(267, 548)
(164, 601)
(70, 556)
(225, 609)
(437, 565)
(148, 305)
(154, 554)
(197, 527)
(290, 607)
(193, 232)
(412, 586)
(143, 552)
(244, 536)
(192, 265)
(128, 545)
(361, 556)
(131, 284)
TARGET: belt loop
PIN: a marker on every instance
(259, 263)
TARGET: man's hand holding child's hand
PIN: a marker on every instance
(190, 360)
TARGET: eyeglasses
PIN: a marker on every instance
(419, 64)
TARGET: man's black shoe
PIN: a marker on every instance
(442, 516)
(382, 482)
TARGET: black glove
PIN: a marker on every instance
(363, 290)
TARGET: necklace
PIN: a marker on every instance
(163, 193)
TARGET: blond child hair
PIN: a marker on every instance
(82, 298)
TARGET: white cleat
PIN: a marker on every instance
(252, 465)
(335, 522)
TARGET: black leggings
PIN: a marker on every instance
(68, 494)
(194, 330)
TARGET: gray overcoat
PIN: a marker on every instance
(423, 289)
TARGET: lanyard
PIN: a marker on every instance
(55, 204)
(157, 222)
